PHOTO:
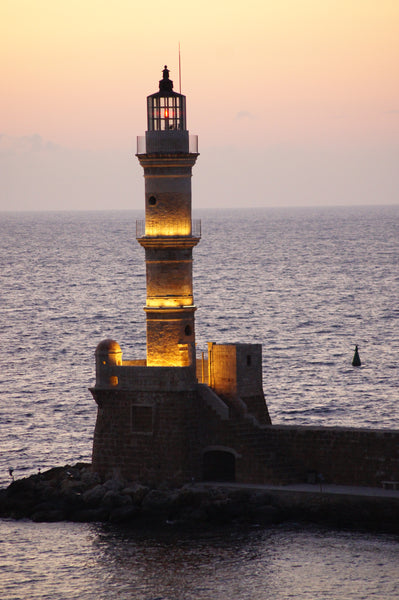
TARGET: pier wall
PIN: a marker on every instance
(342, 456)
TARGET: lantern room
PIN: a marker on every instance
(166, 109)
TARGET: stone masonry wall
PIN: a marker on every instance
(345, 456)
(143, 435)
(138, 377)
(281, 455)
(235, 374)
(155, 426)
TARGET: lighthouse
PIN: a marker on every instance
(163, 422)
(167, 154)
(160, 419)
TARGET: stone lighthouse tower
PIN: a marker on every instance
(159, 418)
(167, 154)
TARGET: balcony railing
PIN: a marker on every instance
(171, 228)
(142, 146)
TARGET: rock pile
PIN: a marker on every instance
(74, 493)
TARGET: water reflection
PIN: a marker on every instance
(55, 561)
(281, 562)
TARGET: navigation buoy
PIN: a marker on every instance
(356, 362)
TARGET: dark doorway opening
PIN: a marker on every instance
(219, 465)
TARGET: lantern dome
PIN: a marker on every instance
(166, 109)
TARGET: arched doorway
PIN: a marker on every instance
(218, 465)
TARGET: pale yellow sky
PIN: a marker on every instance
(305, 76)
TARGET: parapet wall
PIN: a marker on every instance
(342, 456)
(144, 378)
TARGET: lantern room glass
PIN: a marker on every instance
(166, 113)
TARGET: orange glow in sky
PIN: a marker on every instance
(317, 78)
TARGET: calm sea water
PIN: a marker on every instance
(308, 284)
(88, 562)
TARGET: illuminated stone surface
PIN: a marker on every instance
(168, 245)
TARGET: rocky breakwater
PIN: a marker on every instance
(74, 493)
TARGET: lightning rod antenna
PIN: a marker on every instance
(179, 71)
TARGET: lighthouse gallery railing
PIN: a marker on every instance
(142, 145)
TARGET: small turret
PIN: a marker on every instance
(108, 354)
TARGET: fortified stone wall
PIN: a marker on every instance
(158, 436)
(143, 435)
(142, 430)
(345, 456)
(293, 454)
(156, 424)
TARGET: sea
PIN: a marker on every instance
(309, 284)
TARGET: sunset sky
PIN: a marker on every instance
(296, 102)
